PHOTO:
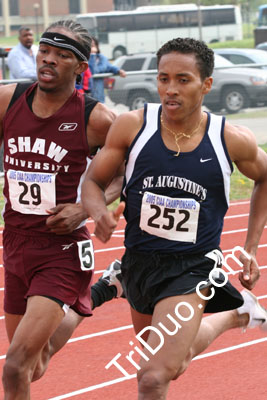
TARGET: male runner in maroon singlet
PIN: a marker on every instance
(49, 131)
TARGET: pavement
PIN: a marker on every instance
(257, 125)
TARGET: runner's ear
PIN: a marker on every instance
(82, 67)
(207, 84)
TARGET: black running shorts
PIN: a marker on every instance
(149, 278)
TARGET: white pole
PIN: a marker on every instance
(45, 13)
(6, 17)
(83, 6)
(199, 17)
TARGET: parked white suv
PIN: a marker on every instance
(233, 89)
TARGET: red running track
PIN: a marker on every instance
(232, 368)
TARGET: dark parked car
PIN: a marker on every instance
(233, 88)
(262, 46)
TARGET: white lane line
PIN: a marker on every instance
(122, 247)
(240, 203)
(109, 249)
(236, 216)
(101, 271)
(237, 231)
(231, 348)
(92, 335)
(121, 328)
(122, 230)
(260, 246)
(114, 330)
(91, 388)
(122, 379)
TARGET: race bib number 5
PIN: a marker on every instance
(86, 255)
(169, 218)
(31, 192)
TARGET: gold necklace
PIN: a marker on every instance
(179, 135)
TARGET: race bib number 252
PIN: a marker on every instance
(170, 218)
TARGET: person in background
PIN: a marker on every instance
(21, 59)
(98, 63)
(83, 82)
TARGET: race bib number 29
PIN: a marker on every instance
(170, 218)
(31, 192)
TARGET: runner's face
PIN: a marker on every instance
(57, 67)
(180, 86)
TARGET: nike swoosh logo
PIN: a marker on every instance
(205, 160)
(58, 39)
(259, 319)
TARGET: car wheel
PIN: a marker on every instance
(118, 52)
(234, 98)
(138, 99)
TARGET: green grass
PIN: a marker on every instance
(241, 186)
(245, 43)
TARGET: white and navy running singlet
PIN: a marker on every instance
(176, 204)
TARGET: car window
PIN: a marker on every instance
(238, 59)
(245, 56)
(153, 63)
(133, 64)
(221, 61)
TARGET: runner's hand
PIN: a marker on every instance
(251, 273)
(65, 218)
(107, 223)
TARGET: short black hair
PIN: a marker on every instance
(204, 55)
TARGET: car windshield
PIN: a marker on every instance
(220, 62)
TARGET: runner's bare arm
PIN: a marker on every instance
(252, 162)
(65, 218)
(104, 167)
(98, 125)
(6, 93)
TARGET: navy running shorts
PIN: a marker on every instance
(149, 278)
(46, 265)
